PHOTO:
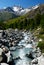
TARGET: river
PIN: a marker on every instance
(24, 47)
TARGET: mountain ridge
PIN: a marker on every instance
(16, 11)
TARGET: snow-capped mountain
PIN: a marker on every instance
(17, 10)
(12, 12)
(20, 10)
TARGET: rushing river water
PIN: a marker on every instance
(24, 47)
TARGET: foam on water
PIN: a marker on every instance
(23, 51)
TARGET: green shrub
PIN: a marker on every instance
(41, 46)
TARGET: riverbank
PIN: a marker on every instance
(39, 34)
(18, 47)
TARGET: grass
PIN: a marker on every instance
(40, 35)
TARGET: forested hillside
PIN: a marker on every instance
(24, 23)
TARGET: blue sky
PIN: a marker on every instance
(22, 3)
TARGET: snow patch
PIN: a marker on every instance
(35, 7)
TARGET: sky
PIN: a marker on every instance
(22, 3)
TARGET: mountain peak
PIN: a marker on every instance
(17, 8)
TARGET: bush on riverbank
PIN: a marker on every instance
(41, 46)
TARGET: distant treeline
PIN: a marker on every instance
(24, 22)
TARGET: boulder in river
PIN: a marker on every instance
(3, 64)
(30, 56)
(1, 54)
(17, 58)
(35, 61)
